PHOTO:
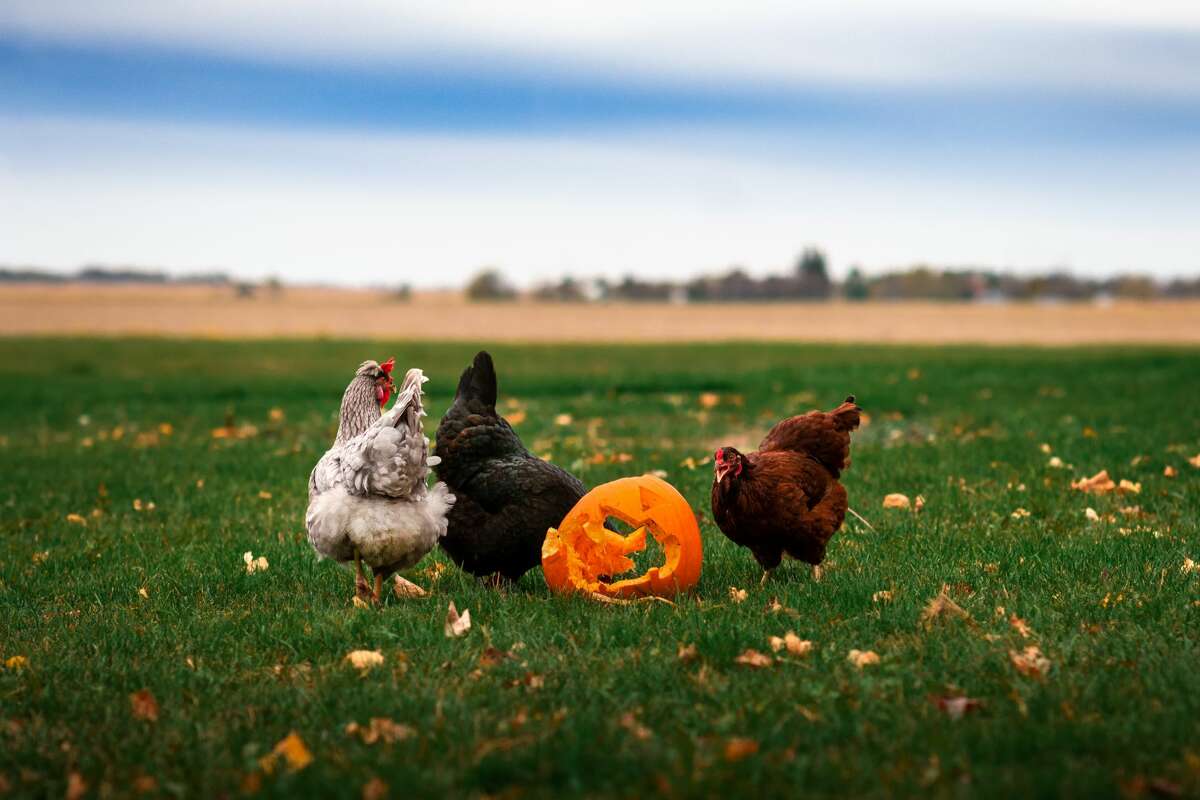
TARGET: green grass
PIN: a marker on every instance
(237, 661)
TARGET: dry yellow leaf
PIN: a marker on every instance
(364, 660)
(1055, 463)
(942, 606)
(1019, 625)
(882, 596)
(516, 417)
(1189, 566)
(1169, 471)
(1128, 486)
(456, 624)
(253, 564)
(563, 419)
(1030, 661)
(77, 519)
(919, 503)
(1195, 461)
(275, 415)
(862, 658)
(402, 587)
(1091, 514)
(144, 705)
(374, 789)
(1100, 483)
(737, 595)
(896, 500)
(629, 722)
(16, 663)
(753, 658)
(263, 494)
(76, 786)
(380, 729)
(291, 750)
(688, 653)
(709, 399)
(738, 748)
(142, 593)
(1045, 448)
(1021, 513)
(792, 643)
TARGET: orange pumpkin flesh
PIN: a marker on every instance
(583, 555)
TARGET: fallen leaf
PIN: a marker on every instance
(942, 606)
(956, 707)
(145, 784)
(77, 519)
(687, 653)
(374, 789)
(737, 595)
(629, 722)
(380, 729)
(882, 596)
(896, 500)
(1169, 471)
(1045, 448)
(1195, 461)
(16, 663)
(457, 625)
(712, 400)
(563, 419)
(516, 417)
(1030, 661)
(919, 503)
(1128, 486)
(263, 494)
(1189, 566)
(1055, 463)
(360, 604)
(753, 658)
(291, 750)
(792, 643)
(144, 705)
(862, 658)
(1020, 626)
(1091, 515)
(364, 660)
(738, 748)
(1100, 483)
(253, 564)
(1021, 513)
(275, 415)
(402, 587)
(76, 786)
(39, 557)
(142, 593)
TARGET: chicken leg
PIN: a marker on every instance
(362, 589)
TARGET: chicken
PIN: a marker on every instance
(367, 496)
(786, 497)
(507, 497)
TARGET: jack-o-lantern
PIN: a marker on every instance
(583, 555)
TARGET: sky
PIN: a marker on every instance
(381, 142)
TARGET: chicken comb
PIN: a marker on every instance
(388, 365)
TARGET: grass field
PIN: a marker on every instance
(581, 698)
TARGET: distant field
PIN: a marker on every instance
(137, 656)
(302, 313)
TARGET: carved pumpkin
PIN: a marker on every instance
(583, 555)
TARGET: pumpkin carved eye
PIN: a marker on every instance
(583, 555)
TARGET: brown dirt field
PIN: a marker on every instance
(206, 312)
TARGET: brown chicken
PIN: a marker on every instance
(786, 497)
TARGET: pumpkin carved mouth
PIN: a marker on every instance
(583, 555)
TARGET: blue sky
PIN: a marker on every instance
(372, 142)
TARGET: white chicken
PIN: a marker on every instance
(367, 497)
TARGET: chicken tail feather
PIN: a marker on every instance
(478, 381)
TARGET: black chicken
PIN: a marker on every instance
(507, 497)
